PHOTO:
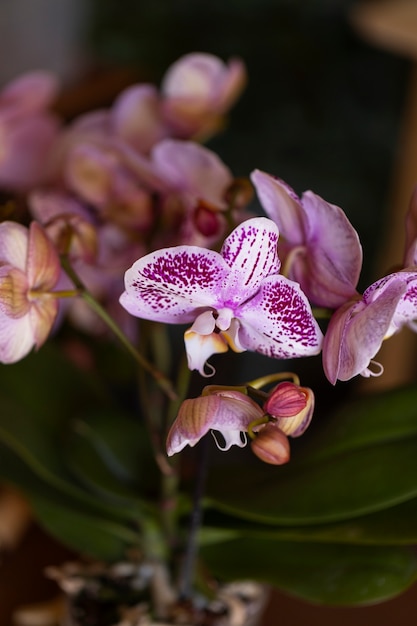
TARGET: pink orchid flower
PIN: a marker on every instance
(235, 298)
(196, 183)
(29, 271)
(226, 411)
(136, 117)
(287, 412)
(28, 130)
(357, 329)
(321, 249)
(197, 91)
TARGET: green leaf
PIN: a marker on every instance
(109, 453)
(89, 534)
(34, 442)
(362, 463)
(325, 574)
(80, 525)
(48, 384)
(394, 526)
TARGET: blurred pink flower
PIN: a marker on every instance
(29, 271)
(197, 91)
(28, 130)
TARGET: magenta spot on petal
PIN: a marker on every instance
(175, 276)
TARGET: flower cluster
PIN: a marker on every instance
(132, 187)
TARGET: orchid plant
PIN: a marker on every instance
(120, 225)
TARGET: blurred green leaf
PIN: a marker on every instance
(93, 535)
(364, 462)
(394, 526)
(325, 574)
(82, 525)
(110, 453)
(35, 442)
(48, 384)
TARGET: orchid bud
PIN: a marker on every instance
(207, 220)
(271, 445)
(291, 406)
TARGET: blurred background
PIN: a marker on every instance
(325, 109)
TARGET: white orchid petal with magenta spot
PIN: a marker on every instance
(172, 284)
(278, 321)
(251, 253)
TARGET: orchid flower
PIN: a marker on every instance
(29, 271)
(28, 130)
(286, 412)
(198, 90)
(229, 412)
(358, 328)
(321, 248)
(196, 183)
(235, 298)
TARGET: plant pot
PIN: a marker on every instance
(129, 594)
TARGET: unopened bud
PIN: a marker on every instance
(271, 445)
(292, 407)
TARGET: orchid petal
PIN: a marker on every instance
(43, 266)
(335, 253)
(251, 253)
(16, 338)
(323, 252)
(172, 284)
(13, 245)
(410, 256)
(230, 415)
(193, 169)
(406, 310)
(278, 321)
(13, 292)
(200, 347)
(356, 331)
(136, 116)
(281, 204)
(42, 317)
(30, 92)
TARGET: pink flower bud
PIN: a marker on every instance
(271, 445)
(291, 406)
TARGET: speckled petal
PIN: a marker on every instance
(174, 284)
(278, 321)
(251, 253)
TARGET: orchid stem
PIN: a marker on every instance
(190, 557)
(163, 382)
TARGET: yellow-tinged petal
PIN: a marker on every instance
(13, 292)
(201, 347)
